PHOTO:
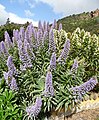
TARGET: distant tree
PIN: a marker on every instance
(91, 14)
(8, 21)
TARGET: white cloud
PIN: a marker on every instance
(31, 3)
(3, 14)
(28, 13)
(13, 17)
(16, 19)
(67, 7)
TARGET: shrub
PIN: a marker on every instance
(41, 66)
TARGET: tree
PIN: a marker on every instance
(8, 21)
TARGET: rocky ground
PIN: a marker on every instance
(84, 115)
(88, 110)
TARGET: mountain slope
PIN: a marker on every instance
(83, 20)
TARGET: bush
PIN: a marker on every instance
(45, 69)
(9, 110)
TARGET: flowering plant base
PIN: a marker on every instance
(90, 104)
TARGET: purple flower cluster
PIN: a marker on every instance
(60, 27)
(11, 66)
(22, 34)
(34, 110)
(49, 89)
(74, 66)
(40, 25)
(8, 77)
(65, 52)
(54, 25)
(40, 38)
(53, 61)
(52, 45)
(3, 49)
(25, 58)
(30, 52)
(10, 80)
(32, 36)
(13, 84)
(7, 40)
(15, 37)
(79, 91)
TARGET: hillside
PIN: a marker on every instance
(88, 21)
(9, 28)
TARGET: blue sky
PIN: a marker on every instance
(20, 11)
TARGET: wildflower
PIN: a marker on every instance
(34, 110)
(74, 66)
(40, 25)
(13, 84)
(44, 26)
(47, 27)
(53, 61)
(79, 91)
(40, 38)
(8, 77)
(22, 34)
(52, 46)
(32, 36)
(29, 50)
(60, 26)
(24, 57)
(65, 52)
(54, 25)
(49, 90)
(3, 49)
(7, 40)
(10, 65)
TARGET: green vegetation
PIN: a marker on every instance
(9, 110)
(9, 27)
(70, 23)
(83, 21)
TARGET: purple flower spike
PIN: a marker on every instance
(48, 27)
(22, 34)
(75, 65)
(52, 46)
(16, 35)
(40, 37)
(24, 57)
(13, 84)
(65, 52)
(29, 50)
(60, 26)
(53, 61)
(44, 26)
(8, 77)
(7, 40)
(79, 91)
(40, 25)
(45, 37)
(3, 49)
(34, 110)
(32, 36)
(49, 90)
(54, 25)
(10, 65)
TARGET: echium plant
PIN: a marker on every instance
(34, 110)
(38, 66)
(9, 76)
(80, 91)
